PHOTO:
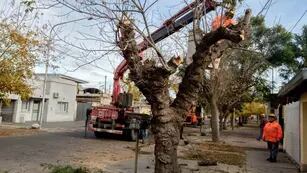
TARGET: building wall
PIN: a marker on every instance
(304, 132)
(292, 130)
(25, 115)
(67, 91)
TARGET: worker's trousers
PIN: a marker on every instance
(273, 148)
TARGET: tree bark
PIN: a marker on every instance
(166, 134)
(214, 120)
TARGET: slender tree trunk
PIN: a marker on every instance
(1, 107)
(240, 121)
(214, 120)
(221, 119)
(225, 122)
(166, 133)
(233, 119)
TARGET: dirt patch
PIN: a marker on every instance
(99, 153)
(17, 132)
(219, 152)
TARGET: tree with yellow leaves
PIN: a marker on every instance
(253, 108)
(19, 49)
(17, 60)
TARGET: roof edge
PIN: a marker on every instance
(64, 77)
(296, 81)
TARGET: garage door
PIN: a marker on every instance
(81, 111)
(7, 112)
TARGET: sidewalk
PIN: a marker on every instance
(245, 137)
(257, 152)
(256, 163)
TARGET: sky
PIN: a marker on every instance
(284, 12)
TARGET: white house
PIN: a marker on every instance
(60, 103)
(294, 111)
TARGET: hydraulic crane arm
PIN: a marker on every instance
(184, 17)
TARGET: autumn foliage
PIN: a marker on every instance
(18, 54)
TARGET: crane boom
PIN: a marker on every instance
(184, 17)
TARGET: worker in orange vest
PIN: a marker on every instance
(272, 134)
(194, 120)
(192, 113)
(225, 21)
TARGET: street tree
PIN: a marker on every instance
(301, 43)
(19, 50)
(122, 24)
(226, 87)
(253, 108)
(152, 81)
(243, 80)
(279, 47)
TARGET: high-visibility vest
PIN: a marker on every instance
(272, 132)
(194, 119)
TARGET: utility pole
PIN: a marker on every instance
(272, 80)
(42, 109)
(105, 84)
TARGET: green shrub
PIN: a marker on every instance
(68, 169)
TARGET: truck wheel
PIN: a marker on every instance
(98, 134)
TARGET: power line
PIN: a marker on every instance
(266, 6)
(298, 21)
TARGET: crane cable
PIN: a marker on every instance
(298, 20)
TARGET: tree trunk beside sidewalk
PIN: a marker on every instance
(214, 120)
(166, 135)
(224, 126)
(1, 109)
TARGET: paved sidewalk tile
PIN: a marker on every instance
(257, 163)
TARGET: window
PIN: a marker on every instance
(25, 106)
(62, 107)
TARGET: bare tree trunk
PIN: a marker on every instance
(225, 122)
(240, 121)
(214, 120)
(233, 119)
(166, 132)
(221, 118)
(1, 107)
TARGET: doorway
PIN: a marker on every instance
(35, 111)
(7, 111)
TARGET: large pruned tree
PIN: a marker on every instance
(152, 80)
(128, 20)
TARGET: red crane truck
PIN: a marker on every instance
(119, 117)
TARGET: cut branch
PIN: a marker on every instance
(212, 45)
